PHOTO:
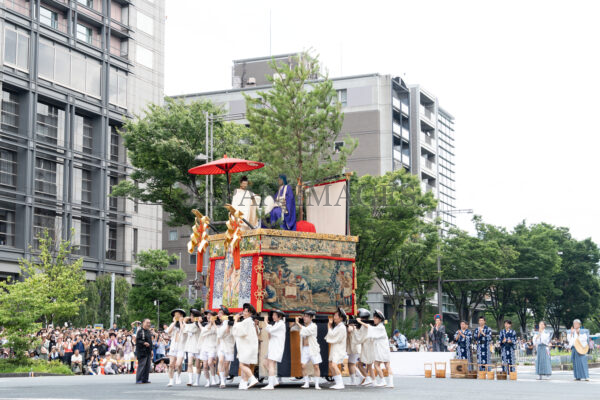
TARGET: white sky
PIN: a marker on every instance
(520, 77)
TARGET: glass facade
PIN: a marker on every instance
(446, 181)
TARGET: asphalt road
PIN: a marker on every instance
(560, 386)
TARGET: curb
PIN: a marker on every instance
(27, 374)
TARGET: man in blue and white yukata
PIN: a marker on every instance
(285, 206)
(483, 338)
(508, 338)
(463, 338)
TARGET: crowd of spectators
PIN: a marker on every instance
(92, 351)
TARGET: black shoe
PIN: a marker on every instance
(146, 382)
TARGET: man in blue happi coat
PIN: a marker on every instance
(285, 205)
(508, 338)
(463, 338)
(483, 338)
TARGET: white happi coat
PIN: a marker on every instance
(381, 344)
(367, 351)
(336, 337)
(543, 338)
(246, 341)
(193, 334)
(310, 332)
(225, 340)
(178, 338)
(276, 340)
(352, 345)
(209, 338)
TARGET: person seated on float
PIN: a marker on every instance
(285, 206)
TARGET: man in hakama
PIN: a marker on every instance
(508, 338)
(310, 349)
(580, 362)
(463, 338)
(336, 337)
(246, 341)
(225, 345)
(285, 206)
(276, 332)
(483, 338)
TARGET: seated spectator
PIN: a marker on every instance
(110, 367)
(160, 367)
(77, 362)
(54, 354)
(94, 364)
(400, 341)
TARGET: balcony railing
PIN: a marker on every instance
(118, 51)
(427, 164)
(60, 26)
(396, 102)
(20, 6)
(396, 128)
(405, 134)
(427, 113)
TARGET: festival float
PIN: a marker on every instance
(312, 267)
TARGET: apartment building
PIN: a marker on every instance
(71, 71)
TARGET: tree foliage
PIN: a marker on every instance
(163, 144)
(96, 310)
(296, 122)
(155, 281)
(386, 213)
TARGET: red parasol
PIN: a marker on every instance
(227, 166)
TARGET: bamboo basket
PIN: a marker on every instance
(428, 369)
(458, 368)
(472, 372)
(481, 373)
(500, 373)
(440, 369)
(513, 373)
(490, 372)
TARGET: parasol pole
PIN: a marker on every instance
(228, 189)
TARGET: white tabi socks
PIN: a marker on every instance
(339, 383)
(222, 376)
(317, 380)
(178, 378)
(271, 384)
(306, 382)
(191, 376)
(390, 382)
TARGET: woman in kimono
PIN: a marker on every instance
(225, 344)
(483, 338)
(580, 364)
(336, 337)
(246, 341)
(177, 348)
(541, 340)
(276, 333)
(285, 206)
(463, 338)
(508, 338)
(381, 348)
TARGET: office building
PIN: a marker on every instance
(72, 70)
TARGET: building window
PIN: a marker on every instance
(118, 88)
(83, 140)
(84, 33)
(86, 187)
(16, 49)
(173, 235)
(342, 96)
(7, 224)
(85, 230)
(135, 241)
(45, 177)
(113, 202)
(50, 124)
(10, 112)
(48, 17)
(111, 242)
(8, 168)
(115, 140)
(144, 56)
(145, 23)
(87, 3)
(43, 220)
(193, 258)
(337, 147)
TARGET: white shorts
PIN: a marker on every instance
(226, 356)
(305, 356)
(193, 355)
(176, 353)
(205, 355)
(353, 358)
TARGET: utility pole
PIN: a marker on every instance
(112, 299)
(157, 304)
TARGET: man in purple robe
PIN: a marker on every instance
(285, 206)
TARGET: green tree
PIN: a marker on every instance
(162, 146)
(21, 306)
(96, 309)
(296, 123)
(473, 257)
(65, 278)
(384, 212)
(155, 281)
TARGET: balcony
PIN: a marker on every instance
(119, 51)
(427, 113)
(428, 141)
(396, 128)
(396, 103)
(405, 134)
(428, 165)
